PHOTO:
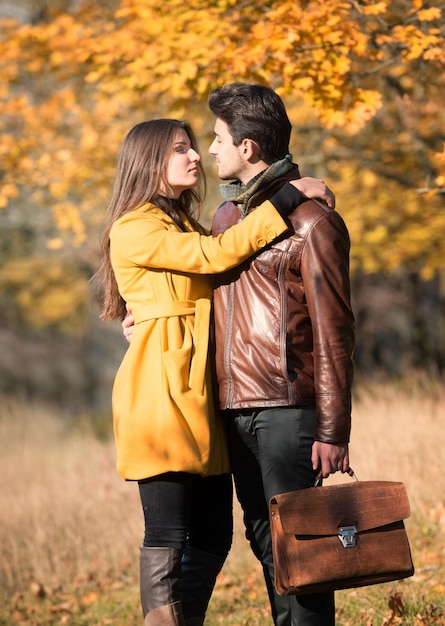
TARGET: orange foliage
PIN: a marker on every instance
(73, 84)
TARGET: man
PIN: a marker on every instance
(284, 332)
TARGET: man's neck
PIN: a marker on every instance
(252, 170)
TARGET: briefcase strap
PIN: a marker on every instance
(349, 471)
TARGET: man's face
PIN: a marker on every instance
(228, 157)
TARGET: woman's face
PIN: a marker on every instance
(182, 169)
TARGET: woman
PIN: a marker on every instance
(158, 261)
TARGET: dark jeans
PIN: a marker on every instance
(270, 452)
(187, 509)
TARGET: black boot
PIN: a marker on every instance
(198, 576)
(160, 570)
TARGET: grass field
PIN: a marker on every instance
(70, 528)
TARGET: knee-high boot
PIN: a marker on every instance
(160, 570)
(198, 576)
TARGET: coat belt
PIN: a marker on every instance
(201, 310)
(176, 308)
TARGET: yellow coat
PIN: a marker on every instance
(163, 409)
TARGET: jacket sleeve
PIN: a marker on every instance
(325, 274)
(147, 238)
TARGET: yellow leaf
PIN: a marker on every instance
(376, 8)
(428, 15)
(55, 243)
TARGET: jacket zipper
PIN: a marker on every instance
(227, 344)
(229, 330)
(283, 330)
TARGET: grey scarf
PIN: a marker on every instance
(240, 194)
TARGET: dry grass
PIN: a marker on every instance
(66, 515)
(398, 434)
(65, 512)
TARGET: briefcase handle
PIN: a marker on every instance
(349, 471)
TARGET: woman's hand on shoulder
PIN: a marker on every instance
(315, 188)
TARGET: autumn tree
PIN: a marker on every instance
(363, 82)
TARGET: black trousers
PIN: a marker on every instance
(270, 451)
(187, 509)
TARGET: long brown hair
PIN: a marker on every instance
(140, 172)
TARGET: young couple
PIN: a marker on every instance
(275, 277)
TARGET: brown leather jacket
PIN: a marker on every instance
(283, 321)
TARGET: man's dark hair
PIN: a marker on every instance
(254, 112)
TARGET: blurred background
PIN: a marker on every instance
(363, 83)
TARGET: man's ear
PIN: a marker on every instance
(250, 150)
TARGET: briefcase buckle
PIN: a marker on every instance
(348, 536)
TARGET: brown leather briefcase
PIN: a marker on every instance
(340, 536)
